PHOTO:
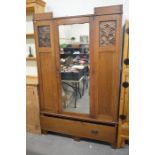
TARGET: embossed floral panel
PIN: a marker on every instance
(107, 33)
(44, 36)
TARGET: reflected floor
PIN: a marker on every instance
(82, 104)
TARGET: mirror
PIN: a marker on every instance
(74, 63)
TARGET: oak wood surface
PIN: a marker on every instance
(29, 35)
(77, 116)
(104, 78)
(72, 20)
(43, 16)
(66, 21)
(32, 80)
(114, 9)
(35, 6)
(92, 78)
(107, 68)
(79, 129)
(32, 108)
(123, 125)
(40, 2)
(31, 58)
(47, 69)
(32, 98)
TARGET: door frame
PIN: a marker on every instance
(68, 21)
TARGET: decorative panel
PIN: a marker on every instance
(107, 33)
(44, 36)
(49, 82)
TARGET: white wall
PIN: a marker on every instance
(62, 8)
(81, 7)
(75, 30)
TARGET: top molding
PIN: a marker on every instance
(114, 9)
(106, 10)
(43, 16)
(40, 2)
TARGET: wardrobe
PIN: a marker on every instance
(100, 122)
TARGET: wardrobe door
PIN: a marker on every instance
(107, 30)
(44, 39)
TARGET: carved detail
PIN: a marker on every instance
(107, 33)
(44, 36)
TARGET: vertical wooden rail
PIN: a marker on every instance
(46, 61)
(123, 127)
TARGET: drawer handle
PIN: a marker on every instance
(94, 131)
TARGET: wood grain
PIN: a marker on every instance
(65, 21)
(79, 129)
(104, 78)
(123, 125)
(43, 16)
(107, 68)
(47, 69)
(32, 80)
(114, 9)
(35, 6)
(32, 109)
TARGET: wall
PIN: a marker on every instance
(81, 7)
(66, 32)
(75, 7)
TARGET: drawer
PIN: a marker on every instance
(79, 129)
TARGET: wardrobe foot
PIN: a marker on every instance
(114, 146)
(76, 139)
(44, 132)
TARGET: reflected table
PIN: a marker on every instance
(75, 85)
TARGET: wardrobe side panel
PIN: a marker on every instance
(107, 51)
(46, 61)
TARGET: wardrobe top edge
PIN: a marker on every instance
(106, 10)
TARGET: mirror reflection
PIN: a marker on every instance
(74, 62)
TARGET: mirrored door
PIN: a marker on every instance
(74, 67)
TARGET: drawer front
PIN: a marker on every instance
(79, 129)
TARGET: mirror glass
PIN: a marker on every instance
(74, 62)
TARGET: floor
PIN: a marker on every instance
(52, 144)
(82, 103)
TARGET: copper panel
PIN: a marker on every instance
(107, 33)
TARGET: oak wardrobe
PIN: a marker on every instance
(79, 60)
